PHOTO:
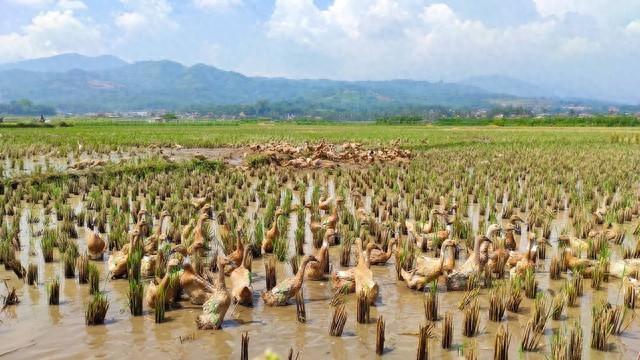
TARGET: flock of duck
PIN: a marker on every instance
(494, 252)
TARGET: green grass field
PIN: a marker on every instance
(103, 135)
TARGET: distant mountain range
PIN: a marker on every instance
(507, 85)
(76, 83)
(67, 62)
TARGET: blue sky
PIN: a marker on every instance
(584, 48)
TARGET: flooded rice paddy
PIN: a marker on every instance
(35, 329)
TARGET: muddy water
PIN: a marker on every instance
(33, 329)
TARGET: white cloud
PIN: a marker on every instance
(604, 11)
(380, 39)
(50, 33)
(403, 38)
(634, 27)
(130, 21)
(217, 4)
(438, 14)
(578, 46)
(145, 16)
(302, 21)
(433, 36)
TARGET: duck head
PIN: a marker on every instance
(492, 230)
(516, 218)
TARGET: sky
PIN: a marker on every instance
(586, 48)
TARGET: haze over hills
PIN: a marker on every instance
(66, 62)
(75, 83)
(508, 85)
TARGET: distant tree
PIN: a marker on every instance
(262, 108)
(169, 116)
(26, 107)
(400, 120)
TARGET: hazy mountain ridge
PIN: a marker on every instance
(66, 62)
(107, 83)
(508, 85)
(103, 84)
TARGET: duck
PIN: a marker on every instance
(578, 264)
(315, 227)
(429, 225)
(288, 288)
(194, 286)
(599, 215)
(272, 233)
(199, 238)
(577, 245)
(325, 204)
(95, 245)
(515, 221)
(316, 269)
(344, 280)
(379, 257)
(332, 220)
(151, 243)
(224, 229)
(241, 288)
(215, 307)
(427, 269)
(198, 203)
(151, 295)
(431, 241)
(449, 263)
(332, 236)
(623, 267)
(363, 277)
(498, 258)
(141, 223)
(509, 237)
(237, 256)
(475, 261)
(526, 261)
(457, 280)
(362, 217)
(148, 264)
(117, 262)
(186, 230)
(615, 234)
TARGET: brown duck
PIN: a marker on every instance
(316, 269)
(217, 304)
(151, 243)
(288, 288)
(379, 257)
(429, 270)
(363, 277)
(95, 245)
(241, 289)
(272, 233)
